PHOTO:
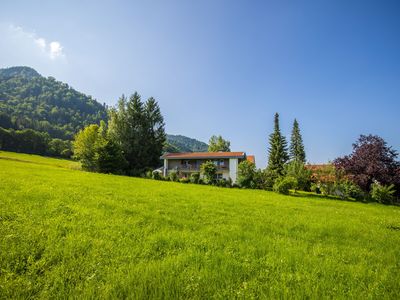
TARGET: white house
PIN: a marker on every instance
(186, 163)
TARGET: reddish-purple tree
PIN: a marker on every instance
(371, 159)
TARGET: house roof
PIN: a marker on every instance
(251, 158)
(203, 155)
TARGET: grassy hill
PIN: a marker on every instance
(65, 232)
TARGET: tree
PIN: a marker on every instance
(109, 157)
(371, 160)
(296, 144)
(209, 171)
(277, 150)
(246, 174)
(297, 170)
(217, 143)
(139, 130)
(85, 144)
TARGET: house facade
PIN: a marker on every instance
(187, 163)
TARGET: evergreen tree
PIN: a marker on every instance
(297, 152)
(139, 130)
(277, 150)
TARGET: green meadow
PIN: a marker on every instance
(65, 233)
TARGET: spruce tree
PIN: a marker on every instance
(277, 150)
(297, 152)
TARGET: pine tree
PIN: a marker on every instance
(277, 150)
(297, 152)
(138, 128)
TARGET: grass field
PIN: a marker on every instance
(68, 233)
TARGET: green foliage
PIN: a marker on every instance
(157, 175)
(184, 180)
(297, 170)
(34, 142)
(217, 143)
(44, 104)
(85, 147)
(277, 149)
(173, 176)
(71, 234)
(297, 151)
(195, 177)
(139, 129)
(382, 193)
(246, 174)
(209, 171)
(109, 157)
(282, 185)
(180, 143)
(269, 177)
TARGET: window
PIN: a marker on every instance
(218, 176)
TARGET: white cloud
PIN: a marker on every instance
(56, 50)
(52, 50)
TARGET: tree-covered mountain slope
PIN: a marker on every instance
(29, 100)
(185, 144)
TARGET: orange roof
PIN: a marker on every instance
(251, 158)
(203, 155)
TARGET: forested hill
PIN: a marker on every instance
(29, 100)
(185, 144)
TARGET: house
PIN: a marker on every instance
(187, 163)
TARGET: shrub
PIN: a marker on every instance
(246, 173)
(297, 170)
(270, 176)
(157, 175)
(173, 176)
(347, 189)
(195, 177)
(327, 188)
(382, 193)
(184, 180)
(209, 171)
(149, 174)
(284, 184)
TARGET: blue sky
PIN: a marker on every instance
(225, 67)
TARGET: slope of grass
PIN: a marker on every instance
(68, 233)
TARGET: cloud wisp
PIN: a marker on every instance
(52, 49)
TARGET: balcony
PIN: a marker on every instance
(196, 168)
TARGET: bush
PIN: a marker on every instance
(246, 173)
(382, 193)
(184, 180)
(224, 182)
(284, 184)
(195, 177)
(149, 174)
(270, 176)
(157, 175)
(297, 170)
(209, 171)
(173, 176)
(348, 189)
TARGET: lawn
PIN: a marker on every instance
(68, 233)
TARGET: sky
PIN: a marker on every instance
(226, 67)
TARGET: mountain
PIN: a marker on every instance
(180, 143)
(29, 100)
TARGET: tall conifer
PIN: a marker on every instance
(296, 144)
(277, 149)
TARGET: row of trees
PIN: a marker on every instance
(33, 142)
(131, 142)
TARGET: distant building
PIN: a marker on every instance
(187, 163)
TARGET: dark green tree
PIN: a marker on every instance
(277, 149)
(139, 130)
(297, 152)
